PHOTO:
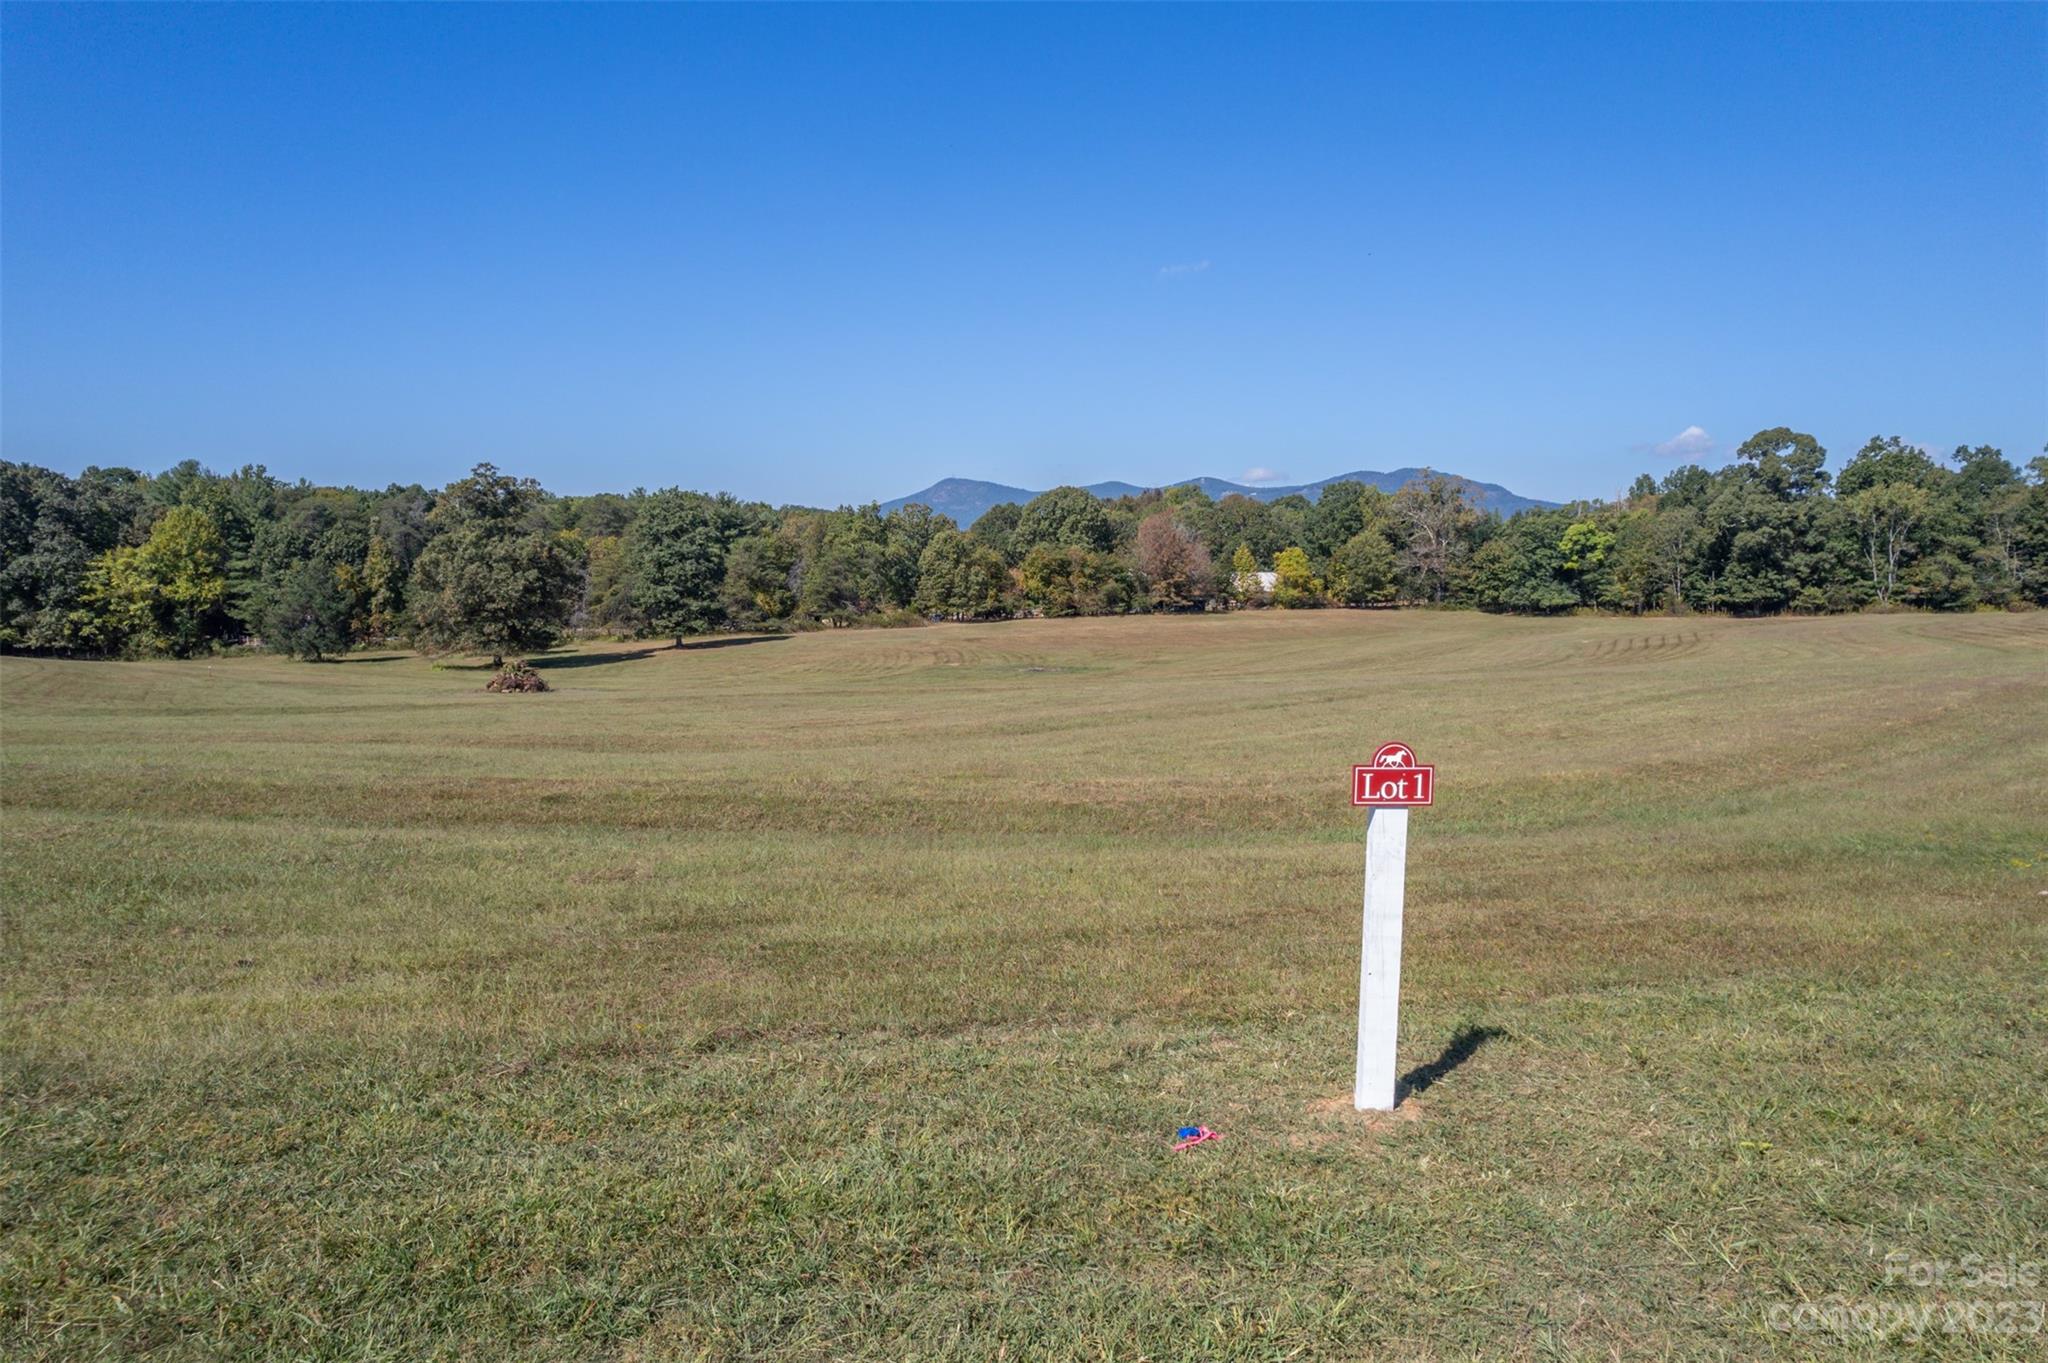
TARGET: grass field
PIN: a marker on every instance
(836, 996)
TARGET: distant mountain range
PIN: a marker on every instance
(965, 499)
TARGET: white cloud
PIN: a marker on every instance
(1177, 271)
(1256, 476)
(1690, 443)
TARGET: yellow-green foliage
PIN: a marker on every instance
(114, 611)
(159, 597)
(383, 592)
(1294, 581)
(1244, 582)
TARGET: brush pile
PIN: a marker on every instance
(516, 677)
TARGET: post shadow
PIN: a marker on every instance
(1460, 1049)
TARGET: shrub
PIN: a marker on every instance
(516, 677)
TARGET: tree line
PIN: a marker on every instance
(116, 563)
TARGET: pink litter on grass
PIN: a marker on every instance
(1191, 1136)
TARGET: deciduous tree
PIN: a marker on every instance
(494, 580)
(1885, 515)
(676, 551)
(1064, 517)
(1073, 580)
(960, 578)
(307, 616)
(183, 565)
(1362, 571)
(1173, 562)
(1244, 576)
(997, 528)
(761, 580)
(1438, 519)
(1294, 581)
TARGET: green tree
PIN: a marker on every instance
(1938, 580)
(1749, 541)
(183, 565)
(1687, 485)
(1636, 570)
(494, 580)
(1238, 519)
(760, 580)
(1289, 517)
(839, 583)
(997, 528)
(1944, 560)
(960, 578)
(1769, 536)
(1438, 521)
(608, 587)
(308, 616)
(1522, 569)
(1073, 580)
(1888, 459)
(1787, 462)
(1064, 517)
(1338, 513)
(383, 592)
(1884, 515)
(844, 568)
(292, 526)
(1988, 498)
(906, 532)
(1583, 552)
(1362, 570)
(603, 515)
(1766, 530)
(2030, 531)
(52, 528)
(1670, 551)
(1196, 510)
(676, 550)
(399, 516)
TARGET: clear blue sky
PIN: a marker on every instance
(823, 254)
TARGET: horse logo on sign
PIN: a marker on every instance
(1394, 780)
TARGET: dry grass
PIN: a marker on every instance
(835, 996)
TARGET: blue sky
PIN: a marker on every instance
(831, 254)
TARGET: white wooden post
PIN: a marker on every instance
(1379, 967)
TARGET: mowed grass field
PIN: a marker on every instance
(836, 997)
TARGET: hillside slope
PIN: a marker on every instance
(966, 499)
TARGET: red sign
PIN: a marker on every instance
(1393, 779)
